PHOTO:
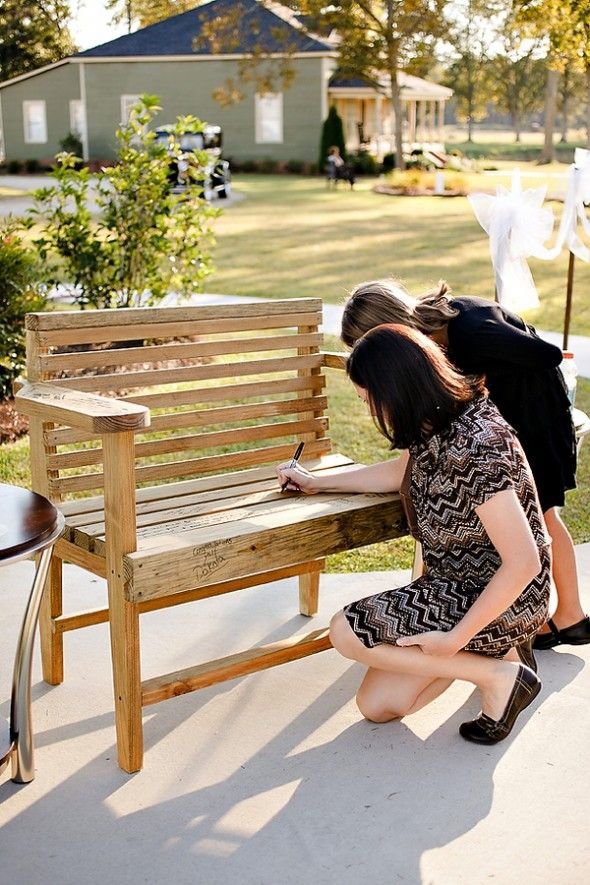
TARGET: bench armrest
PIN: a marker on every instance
(84, 411)
(334, 360)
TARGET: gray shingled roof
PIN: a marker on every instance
(260, 28)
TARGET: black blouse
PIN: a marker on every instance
(525, 384)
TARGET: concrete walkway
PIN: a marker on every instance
(274, 779)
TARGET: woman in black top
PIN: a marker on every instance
(520, 370)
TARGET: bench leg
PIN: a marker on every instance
(125, 652)
(309, 586)
(52, 642)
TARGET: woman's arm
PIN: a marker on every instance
(386, 476)
(509, 531)
(499, 341)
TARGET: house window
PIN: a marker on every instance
(269, 118)
(127, 103)
(77, 118)
(35, 122)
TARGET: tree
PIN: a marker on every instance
(144, 241)
(381, 37)
(140, 13)
(517, 76)
(32, 35)
(473, 30)
(561, 24)
(571, 92)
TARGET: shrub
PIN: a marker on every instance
(32, 165)
(332, 134)
(20, 293)
(13, 167)
(72, 144)
(295, 167)
(388, 163)
(363, 163)
(145, 241)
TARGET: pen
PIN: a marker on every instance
(293, 462)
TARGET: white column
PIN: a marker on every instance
(412, 121)
(421, 135)
(441, 121)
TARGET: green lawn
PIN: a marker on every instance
(290, 237)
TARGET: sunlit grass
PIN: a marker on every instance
(290, 236)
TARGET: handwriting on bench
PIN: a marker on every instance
(211, 557)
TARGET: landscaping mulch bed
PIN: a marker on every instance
(415, 191)
(12, 425)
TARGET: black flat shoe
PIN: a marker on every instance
(485, 730)
(526, 654)
(543, 641)
(577, 634)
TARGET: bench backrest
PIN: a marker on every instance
(229, 387)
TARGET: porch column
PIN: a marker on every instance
(421, 120)
(441, 121)
(432, 120)
(412, 120)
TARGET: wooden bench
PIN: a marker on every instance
(173, 419)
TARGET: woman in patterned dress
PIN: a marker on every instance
(521, 374)
(485, 589)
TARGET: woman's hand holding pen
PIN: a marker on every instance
(297, 479)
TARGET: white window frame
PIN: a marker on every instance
(127, 102)
(29, 107)
(77, 118)
(269, 118)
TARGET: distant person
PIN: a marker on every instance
(472, 501)
(336, 169)
(521, 374)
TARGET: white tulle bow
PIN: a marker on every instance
(517, 225)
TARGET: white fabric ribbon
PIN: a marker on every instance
(517, 226)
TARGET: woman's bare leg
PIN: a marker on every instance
(384, 696)
(565, 572)
(494, 677)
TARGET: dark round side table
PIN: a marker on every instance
(29, 524)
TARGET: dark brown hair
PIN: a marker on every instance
(387, 301)
(413, 390)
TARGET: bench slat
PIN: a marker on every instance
(222, 484)
(128, 380)
(163, 316)
(128, 356)
(192, 467)
(175, 444)
(179, 329)
(177, 420)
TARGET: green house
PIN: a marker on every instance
(186, 60)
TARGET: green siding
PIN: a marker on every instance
(185, 87)
(57, 87)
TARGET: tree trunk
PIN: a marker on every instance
(548, 154)
(396, 104)
(564, 119)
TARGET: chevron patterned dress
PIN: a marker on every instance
(453, 473)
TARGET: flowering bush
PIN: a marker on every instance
(20, 293)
